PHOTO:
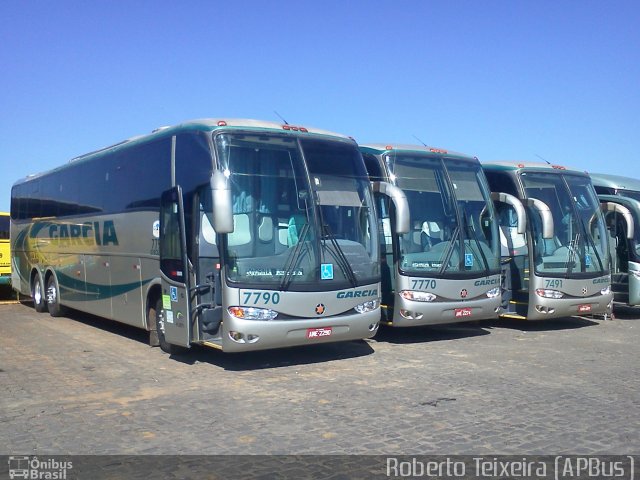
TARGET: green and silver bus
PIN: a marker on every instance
(446, 268)
(559, 266)
(234, 234)
(623, 224)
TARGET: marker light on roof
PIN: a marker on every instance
(437, 150)
(294, 128)
(521, 165)
(222, 123)
(388, 147)
(558, 167)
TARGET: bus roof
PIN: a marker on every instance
(381, 148)
(527, 165)
(204, 124)
(617, 182)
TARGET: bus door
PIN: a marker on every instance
(387, 264)
(514, 252)
(174, 269)
(620, 215)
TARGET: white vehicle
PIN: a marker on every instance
(559, 266)
(235, 234)
(446, 268)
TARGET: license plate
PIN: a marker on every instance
(584, 308)
(319, 332)
(462, 312)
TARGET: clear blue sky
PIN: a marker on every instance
(497, 79)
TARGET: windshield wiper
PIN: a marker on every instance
(338, 254)
(589, 239)
(293, 258)
(449, 252)
(573, 251)
(475, 238)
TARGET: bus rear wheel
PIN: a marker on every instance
(53, 298)
(37, 294)
(157, 316)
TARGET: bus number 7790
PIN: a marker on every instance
(263, 298)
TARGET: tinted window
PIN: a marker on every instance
(501, 182)
(372, 164)
(131, 178)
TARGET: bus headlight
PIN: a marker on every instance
(606, 290)
(417, 296)
(252, 313)
(494, 292)
(367, 306)
(546, 293)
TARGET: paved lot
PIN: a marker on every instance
(83, 385)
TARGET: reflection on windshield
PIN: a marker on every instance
(280, 232)
(452, 217)
(579, 241)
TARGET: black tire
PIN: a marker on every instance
(156, 315)
(53, 298)
(38, 294)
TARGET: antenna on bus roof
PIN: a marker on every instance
(281, 118)
(420, 141)
(542, 158)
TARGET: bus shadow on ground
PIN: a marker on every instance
(430, 333)
(276, 358)
(117, 328)
(565, 323)
(625, 312)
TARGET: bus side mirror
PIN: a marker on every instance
(546, 215)
(607, 207)
(399, 201)
(517, 205)
(222, 210)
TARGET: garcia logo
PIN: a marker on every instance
(602, 280)
(88, 233)
(486, 281)
(358, 293)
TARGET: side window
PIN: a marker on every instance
(374, 169)
(501, 182)
(144, 172)
(171, 259)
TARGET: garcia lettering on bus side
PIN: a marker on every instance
(88, 233)
(357, 293)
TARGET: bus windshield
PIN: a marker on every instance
(453, 227)
(579, 241)
(302, 213)
(629, 194)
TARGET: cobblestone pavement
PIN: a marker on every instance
(84, 385)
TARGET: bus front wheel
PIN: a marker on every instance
(159, 321)
(37, 294)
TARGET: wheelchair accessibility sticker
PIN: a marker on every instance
(173, 291)
(326, 271)
(468, 260)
